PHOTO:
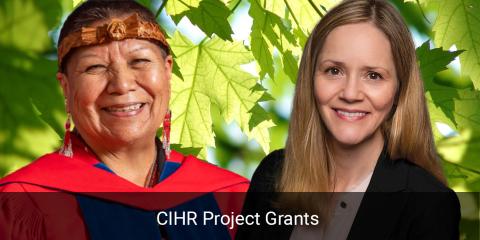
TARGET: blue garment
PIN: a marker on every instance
(111, 220)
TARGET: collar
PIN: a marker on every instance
(389, 175)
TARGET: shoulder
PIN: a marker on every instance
(267, 172)
(435, 206)
(430, 195)
(420, 180)
(34, 168)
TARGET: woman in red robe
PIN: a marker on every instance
(112, 177)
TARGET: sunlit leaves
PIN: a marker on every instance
(212, 75)
(457, 108)
(30, 95)
(458, 24)
(434, 60)
(76, 2)
(281, 27)
(305, 13)
(25, 23)
(439, 97)
(208, 15)
(177, 8)
(263, 26)
(462, 155)
(214, 80)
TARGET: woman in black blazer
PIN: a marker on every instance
(359, 124)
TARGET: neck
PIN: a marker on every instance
(132, 161)
(353, 163)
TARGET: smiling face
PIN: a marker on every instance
(355, 82)
(118, 92)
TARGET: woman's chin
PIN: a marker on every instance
(350, 140)
(128, 134)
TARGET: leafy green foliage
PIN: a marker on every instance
(178, 8)
(263, 30)
(208, 15)
(30, 96)
(211, 91)
(211, 88)
(433, 61)
(459, 109)
(458, 24)
(211, 76)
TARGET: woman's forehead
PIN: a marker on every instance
(126, 46)
(360, 41)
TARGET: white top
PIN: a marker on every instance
(342, 219)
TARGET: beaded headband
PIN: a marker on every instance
(115, 30)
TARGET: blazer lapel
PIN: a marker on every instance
(383, 201)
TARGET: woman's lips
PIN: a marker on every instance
(350, 115)
(124, 110)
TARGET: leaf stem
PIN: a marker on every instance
(236, 5)
(423, 13)
(160, 8)
(316, 9)
(463, 167)
(291, 12)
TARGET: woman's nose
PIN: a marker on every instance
(352, 91)
(122, 81)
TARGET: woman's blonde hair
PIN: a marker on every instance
(309, 164)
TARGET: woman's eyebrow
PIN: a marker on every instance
(342, 64)
(85, 55)
(139, 48)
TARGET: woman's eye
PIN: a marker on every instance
(96, 68)
(139, 61)
(374, 75)
(333, 71)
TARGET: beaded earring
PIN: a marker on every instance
(66, 149)
(166, 133)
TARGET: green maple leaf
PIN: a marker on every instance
(178, 8)
(461, 155)
(283, 25)
(30, 95)
(303, 13)
(467, 108)
(290, 65)
(459, 109)
(439, 98)
(267, 26)
(209, 15)
(307, 13)
(212, 75)
(434, 60)
(263, 54)
(458, 23)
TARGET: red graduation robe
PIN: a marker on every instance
(37, 214)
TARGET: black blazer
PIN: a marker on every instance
(402, 201)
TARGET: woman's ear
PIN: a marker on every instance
(63, 80)
(168, 66)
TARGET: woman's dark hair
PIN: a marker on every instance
(92, 11)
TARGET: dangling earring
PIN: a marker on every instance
(166, 133)
(66, 149)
